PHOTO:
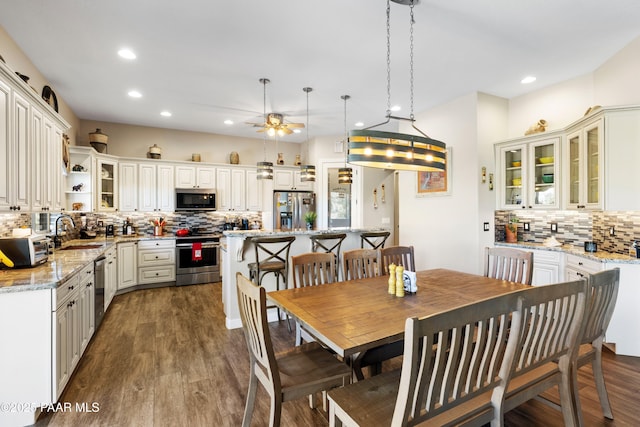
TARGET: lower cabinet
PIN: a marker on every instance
(110, 276)
(74, 323)
(156, 261)
(127, 265)
(547, 267)
(578, 267)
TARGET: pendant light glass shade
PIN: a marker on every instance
(345, 176)
(390, 150)
(265, 170)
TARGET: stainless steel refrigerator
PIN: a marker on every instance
(289, 208)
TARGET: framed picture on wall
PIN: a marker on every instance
(435, 183)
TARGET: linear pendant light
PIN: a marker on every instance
(307, 172)
(394, 150)
(264, 168)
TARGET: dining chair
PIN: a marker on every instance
(547, 353)
(328, 242)
(602, 295)
(509, 264)
(374, 239)
(271, 256)
(360, 264)
(398, 255)
(446, 378)
(311, 269)
(298, 372)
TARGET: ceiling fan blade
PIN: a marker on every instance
(294, 125)
(287, 131)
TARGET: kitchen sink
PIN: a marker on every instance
(88, 246)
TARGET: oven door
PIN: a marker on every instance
(209, 262)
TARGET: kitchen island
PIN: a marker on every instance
(238, 252)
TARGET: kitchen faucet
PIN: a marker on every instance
(56, 239)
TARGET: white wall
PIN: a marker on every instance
(616, 81)
(443, 229)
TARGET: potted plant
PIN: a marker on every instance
(310, 218)
(511, 230)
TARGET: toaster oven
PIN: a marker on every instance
(27, 251)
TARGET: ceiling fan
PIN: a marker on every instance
(274, 122)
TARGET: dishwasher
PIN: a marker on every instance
(99, 272)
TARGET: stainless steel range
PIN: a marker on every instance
(197, 259)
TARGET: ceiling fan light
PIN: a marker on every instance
(271, 132)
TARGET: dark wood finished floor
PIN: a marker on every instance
(163, 357)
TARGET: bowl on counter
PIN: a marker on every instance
(516, 164)
(547, 178)
(545, 160)
(516, 181)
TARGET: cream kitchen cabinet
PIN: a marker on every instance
(110, 276)
(584, 148)
(128, 186)
(82, 179)
(107, 183)
(156, 261)
(290, 179)
(238, 189)
(577, 267)
(127, 265)
(195, 177)
(156, 187)
(253, 190)
(47, 180)
(14, 142)
(528, 173)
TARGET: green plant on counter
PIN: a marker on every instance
(310, 217)
(512, 224)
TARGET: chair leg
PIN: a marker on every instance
(251, 399)
(298, 335)
(568, 389)
(276, 410)
(598, 376)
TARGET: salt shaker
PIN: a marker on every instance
(392, 279)
(399, 281)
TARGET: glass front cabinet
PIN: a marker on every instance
(584, 163)
(528, 174)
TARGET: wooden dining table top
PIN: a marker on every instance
(356, 315)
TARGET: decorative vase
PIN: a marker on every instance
(511, 234)
(309, 226)
(280, 159)
(98, 141)
(234, 158)
(155, 152)
(297, 162)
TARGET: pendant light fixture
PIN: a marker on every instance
(345, 174)
(265, 169)
(307, 172)
(393, 150)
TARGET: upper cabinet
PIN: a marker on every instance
(30, 148)
(195, 177)
(529, 173)
(146, 187)
(584, 148)
(80, 180)
(107, 184)
(290, 179)
(238, 189)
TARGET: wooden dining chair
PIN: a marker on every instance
(601, 301)
(328, 242)
(311, 269)
(360, 263)
(398, 255)
(509, 264)
(298, 372)
(446, 377)
(547, 353)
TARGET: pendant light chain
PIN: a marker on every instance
(388, 58)
(411, 59)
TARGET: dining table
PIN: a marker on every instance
(356, 315)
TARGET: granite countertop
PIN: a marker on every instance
(62, 264)
(261, 233)
(600, 256)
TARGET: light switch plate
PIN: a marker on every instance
(554, 227)
(526, 226)
(486, 226)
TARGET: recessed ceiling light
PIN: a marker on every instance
(396, 108)
(228, 122)
(359, 124)
(528, 79)
(134, 94)
(166, 114)
(127, 53)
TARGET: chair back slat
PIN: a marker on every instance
(361, 264)
(452, 357)
(314, 268)
(374, 239)
(603, 293)
(509, 264)
(398, 255)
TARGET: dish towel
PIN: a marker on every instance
(196, 252)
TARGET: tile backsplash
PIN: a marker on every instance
(575, 227)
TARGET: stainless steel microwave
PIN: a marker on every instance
(195, 199)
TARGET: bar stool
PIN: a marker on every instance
(272, 256)
(375, 239)
(329, 243)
